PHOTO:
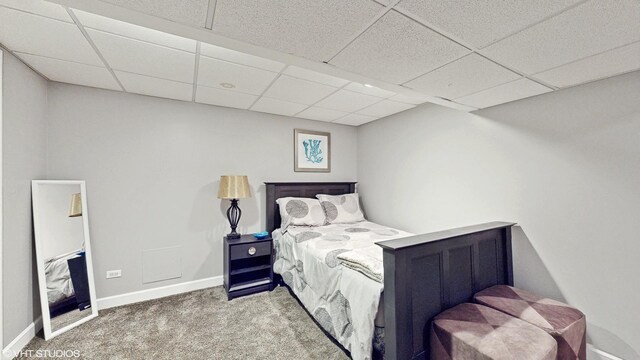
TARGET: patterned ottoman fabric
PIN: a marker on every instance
(472, 331)
(566, 324)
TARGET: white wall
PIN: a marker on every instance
(565, 166)
(1, 206)
(23, 159)
(152, 168)
(61, 234)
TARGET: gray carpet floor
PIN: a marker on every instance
(72, 316)
(200, 325)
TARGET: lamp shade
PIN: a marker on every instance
(234, 187)
(76, 205)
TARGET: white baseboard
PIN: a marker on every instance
(593, 353)
(14, 347)
(159, 292)
(29, 333)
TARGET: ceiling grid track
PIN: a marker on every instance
(538, 22)
(152, 76)
(436, 68)
(195, 72)
(442, 33)
(211, 11)
(310, 106)
(269, 87)
(2, 47)
(588, 57)
(348, 112)
(359, 33)
(95, 48)
(483, 90)
(356, 112)
(436, 30)
(471, 48)
(526, 76)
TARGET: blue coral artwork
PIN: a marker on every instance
(312, 151)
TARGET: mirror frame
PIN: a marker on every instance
(42, 285)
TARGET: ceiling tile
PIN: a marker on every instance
(207, 95)
(316, 113)
(297, 90)
(308, 28)
(39, 7)
(504, 93)
(245, 79)
(348, 101)
(410, 99)
(192, 12)
(385, 108)
(133, 31)
(147, 85)
(585, 30)
(70, 72)
(32, 34)
(480, 23)
(397, 49)
(462, 77)
(369, 90)
(240, 58)
(321, 78)
(610, 63)
(355, 119)
(144, 58)
(275, 106)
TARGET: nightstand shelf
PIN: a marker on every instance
(250, 269)
(250, 284)
(247, 265)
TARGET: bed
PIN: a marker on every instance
(422, 275)
(343, 300)
(67, 284)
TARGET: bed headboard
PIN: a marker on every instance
(276, 190)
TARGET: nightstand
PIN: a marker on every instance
(247, 265)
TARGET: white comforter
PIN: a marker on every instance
(58, 278)
(343, 301)
(367, 260)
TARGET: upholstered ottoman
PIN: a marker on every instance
(566, 324)
(476, 332)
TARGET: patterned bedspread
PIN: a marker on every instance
(343, 301)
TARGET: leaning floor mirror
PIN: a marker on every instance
(63, 254)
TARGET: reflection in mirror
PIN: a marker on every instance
(63, 253)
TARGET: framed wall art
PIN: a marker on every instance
(312, 151)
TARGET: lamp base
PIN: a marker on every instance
(233, 214)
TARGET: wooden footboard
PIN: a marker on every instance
(427, 274)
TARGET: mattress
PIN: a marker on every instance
(343, 301)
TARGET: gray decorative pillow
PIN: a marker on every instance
(300, 211)
(341, 209)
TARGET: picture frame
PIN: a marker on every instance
(312, 151)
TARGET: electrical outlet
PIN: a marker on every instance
(114, 274)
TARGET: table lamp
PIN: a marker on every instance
(234, 187)
(76, 205)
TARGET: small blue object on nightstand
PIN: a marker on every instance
(261, 235)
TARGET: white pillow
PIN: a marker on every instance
(341, 209)
(300, 211)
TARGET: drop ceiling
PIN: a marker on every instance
(349, 62)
